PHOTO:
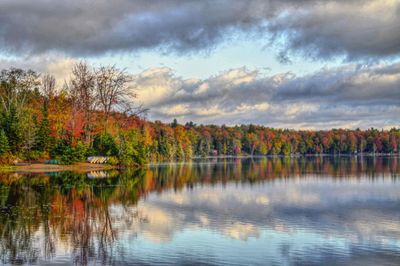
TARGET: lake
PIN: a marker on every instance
(265, 211)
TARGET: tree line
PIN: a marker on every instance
(95, 112)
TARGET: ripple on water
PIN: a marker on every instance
(242, 213)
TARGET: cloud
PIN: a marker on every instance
(317, 28)
(55, 64)
(350, 96)
(46, 37)
(87, 27)
(355, 29)
(61, 69)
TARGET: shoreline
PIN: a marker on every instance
(48, 168)
(84, 167)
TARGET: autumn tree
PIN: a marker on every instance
(83, 97)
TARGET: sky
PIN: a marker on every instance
(302, 64)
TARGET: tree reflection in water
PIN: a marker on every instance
(67, 207)
(43, 213)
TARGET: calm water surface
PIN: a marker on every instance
(270, 211)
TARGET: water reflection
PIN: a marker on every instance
(239, 211)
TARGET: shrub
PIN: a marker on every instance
(36, 155)
(75, 154)
(7, 158)
(113, 160)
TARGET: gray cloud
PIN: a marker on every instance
(348, 96)
(93, 27)
(355, 29)
(354, 84)
(318, 28)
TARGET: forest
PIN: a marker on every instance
(95, 112)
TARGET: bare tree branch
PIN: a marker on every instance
(114, 93)
(48, 86)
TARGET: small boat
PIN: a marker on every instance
(97, 159)
(52, 162)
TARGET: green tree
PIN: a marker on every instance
(286, 148)
(4, 147)
(104, 144)
(43, 139)
(131, 150)
(12, 129)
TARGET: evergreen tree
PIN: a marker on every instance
(174, 123)
(4, 147)
(43, 134)
(12, 129)
(105, 145)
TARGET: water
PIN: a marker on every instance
(270, 211)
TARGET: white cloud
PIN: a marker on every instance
(349, 96)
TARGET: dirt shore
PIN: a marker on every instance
(45, 168)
